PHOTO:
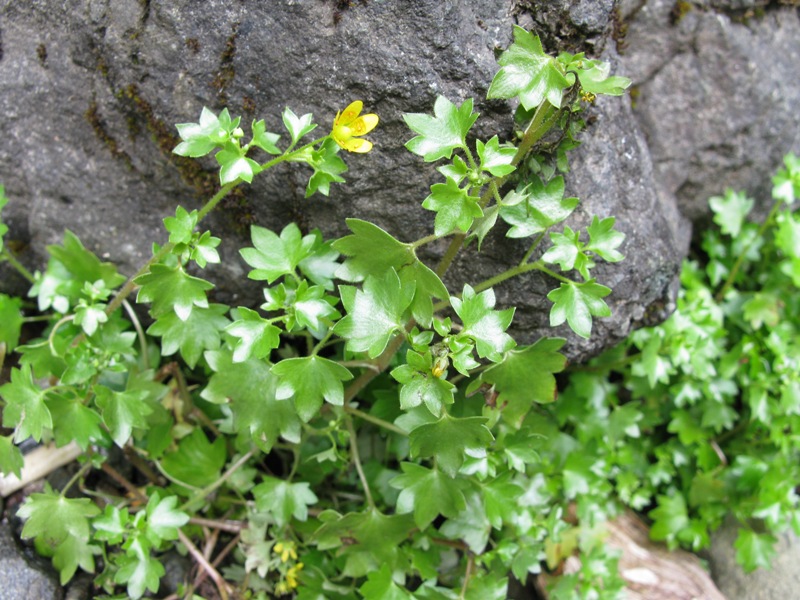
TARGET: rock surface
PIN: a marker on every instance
(92, 88)
(713, 94)
(19, 579)
(778, 583)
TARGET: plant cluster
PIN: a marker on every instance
(366, 431)
(699, 418)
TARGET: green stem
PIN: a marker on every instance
(201, 494)
(321, 343)
(540, 267)
(17, 265)
(544, 118)
(139, 333)
(126, 289)
(356, 458)
(375, 420)
(426, 240)
(533, 247)
(743, 254)
(81, 472)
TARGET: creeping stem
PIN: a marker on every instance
(129, 286)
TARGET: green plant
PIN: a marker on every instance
(699, 417)
(369, 439)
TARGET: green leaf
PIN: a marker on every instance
(273, 256)
(427, 493)
(482, 324)
(577, 303)
(730, 211)
(526, 71)
(90, 317)
(250, 388)
(375, 313)
(57, 521)
(284, 500)
(786, 182)
(297, 126)
(122, 411)
(450, 440)
(25, 409)
(74, 421)
(313, 310)
(568, 252)
(537, 208)
(139, 572)
(308, 380)
(370, 251)
(321, 264)
(669, 519)
(444, 132)
(455, 208)
(72, 553)
(526, 376)
(256, 336)
(596, 80)
(603, 240)
(196, 462)
(494, 158)
(373, 539)
(234, 165)
(328, 167)
(204, 250)
(201, 331)
(202, 137)
(264, 139)
(181, 226)
(172, 289)
(420, 385)
(82, 264)
(11, 461)
(163, 518)
(754, 550)
(111, 525)
(379, 586)
(10, 321)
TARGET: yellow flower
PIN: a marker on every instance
(347, 126)
(291, 575)
(286, 550)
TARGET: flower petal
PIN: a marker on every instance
(349, 114)
(357, 145)
(363, 125)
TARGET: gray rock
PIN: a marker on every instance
(778, 583)
(92, 88)
(713, 96)
(22, 579)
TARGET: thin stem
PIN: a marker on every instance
(139, 332)
(507, 274)
(20, 268)
(227, 525)
(426, 240)
(56, 327)
(375, 420)
(222, 587)
(81, 472)
(533, 247)
(356, 458)
(201, 494)
(321, 344)
(540, 267)
(743, 254)
(467, 575)
(116, 476)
